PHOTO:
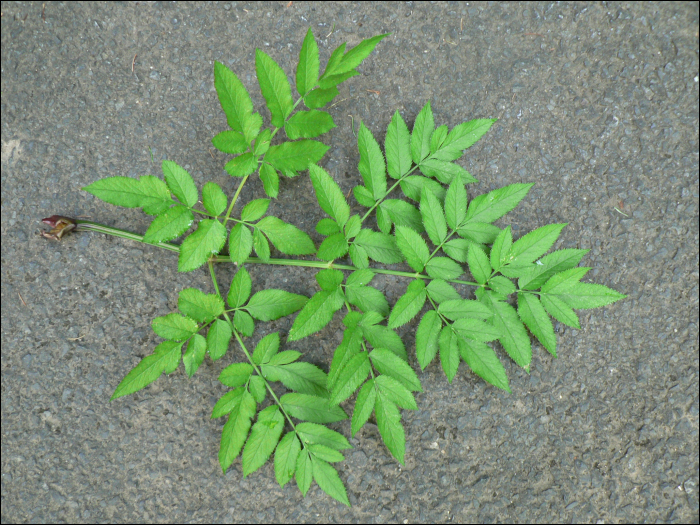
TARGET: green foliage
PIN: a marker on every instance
(442, 235)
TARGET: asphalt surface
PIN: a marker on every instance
(597, 104)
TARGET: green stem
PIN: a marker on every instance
(116, 232)
(235, 198)
(393, 187)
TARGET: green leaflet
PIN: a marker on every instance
(213, 198)
(308, 68)
(329, 196)
(233, 97)
(194, 355)
(513, 336)
(218, 338)
(449, 352)
(286, 238)
(356, 55)
(387, 363)
(329, 279)
(401, 213)
(316, 314)
(395, 392)
(495, 204)
(364, 405)
(227, 403)
(353, 374)
(240, 289)
(408, 305)
(483, 361)
(433, 217)
(304, 378)
(549, 265)
(206, 241)
(367, 298)
(398, 147)
(169, 225)
(254, 210)
(412, 187)
(312, 433)
(534, 244)
(286, 456)
(420, 137)
(147, 192)
(231, 142)
(318, 97)
(270, 180)
(308, 124)
(236, 430)
(274, 87)
(164, 358)
(296, 156)
(479, 264)
(500, 250)
(427, 338)
(412, 247)
(304, 471)
(379, 246)
(266, 348)
(371, 166)
(263, 439)
(235, 375)
(437, 138)
(462, 137)
(440, 291)
(180, 183)
(445, 172)
(268, 305)
(443, 268)
(200, 306)
(533, 314)
(328, 480)
(455, 309)
(242, 166)
(333, 247)
(262, 247)
(456, 203)
(174, 327)
(560, 311)
(240, 244)
(566, 287)
(243, 322)
(312, 408)
(389, 423)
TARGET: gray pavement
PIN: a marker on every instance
(597, 104)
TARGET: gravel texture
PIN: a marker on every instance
(597, 104)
